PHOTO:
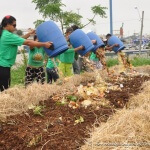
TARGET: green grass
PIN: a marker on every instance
(112, 62)
(18, 75)
(137, 61)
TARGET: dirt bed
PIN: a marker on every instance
(60, 127)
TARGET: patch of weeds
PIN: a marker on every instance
(79, 120)
(37, 110)
(72, 98)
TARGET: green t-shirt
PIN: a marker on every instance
(67, 56)
(93, 57)
(9, 43)
(36, 57)
(52, 63)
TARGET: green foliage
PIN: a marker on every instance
(139, 61)
(38, 110)
(70, 18)
(18, 75)
(72, 98)
(38, 22)
(53, 9)
(79, 120)
(112, 62)
(98, 10)
(49, 8)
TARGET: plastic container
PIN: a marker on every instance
(67, 56)
(115, 40)
(49, 31)
(99, 42)
(78, 38)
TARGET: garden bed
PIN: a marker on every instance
(58, 126)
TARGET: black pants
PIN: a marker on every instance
(51, 75)
(4, 78)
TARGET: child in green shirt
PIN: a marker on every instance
(35, 66)
(51, 69)
(66, 61)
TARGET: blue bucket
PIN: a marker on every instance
(99, 42)
(115, 40)
(78, 38)
(49, 31)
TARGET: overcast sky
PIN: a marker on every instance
(123, 12)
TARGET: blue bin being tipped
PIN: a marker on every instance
(99, 42)
(78, 38)
(115, 40)
(49, 31)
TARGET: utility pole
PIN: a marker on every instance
(78, 10)
(111, 22)
(141, 32)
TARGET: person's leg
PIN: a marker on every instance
(76, 68)
(62, 70)
(49, 77)
(54, 74)
(40, 75)
(29, 75)
(4, 78)
(69, 70)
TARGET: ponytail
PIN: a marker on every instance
(6, 20)
(1, 28)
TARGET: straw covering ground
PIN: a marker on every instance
(80, 112)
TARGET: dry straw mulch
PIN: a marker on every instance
(127, 129)
(18, 99)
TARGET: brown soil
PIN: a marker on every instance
(56, 129)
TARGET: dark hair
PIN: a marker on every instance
(74, 27)
(69, 29)
(6, 20)
(108, 35)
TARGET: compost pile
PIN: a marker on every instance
(64, 121)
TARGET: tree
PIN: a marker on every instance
(97, 10)
(53, 9)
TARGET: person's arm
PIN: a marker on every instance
(28, 34)
(79, 48)
(37, 44)
(94, 41)
(111, 47)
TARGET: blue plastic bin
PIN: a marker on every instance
(115, 40)
(99, 42)
(49, 31)
(78, 38)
